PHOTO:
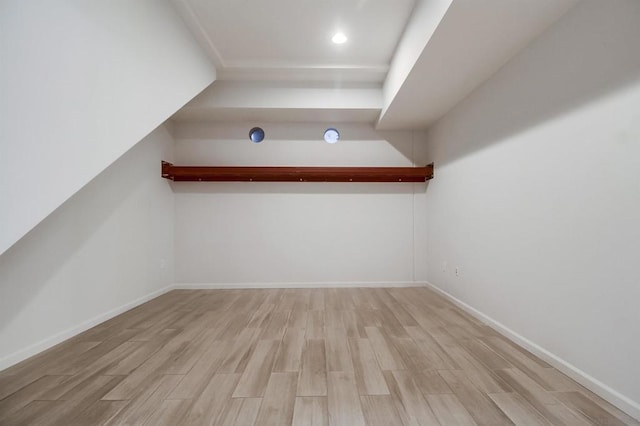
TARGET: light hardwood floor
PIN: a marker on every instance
(294, 356)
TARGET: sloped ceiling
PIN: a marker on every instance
(80, 84)
(405, 64)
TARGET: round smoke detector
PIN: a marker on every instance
(331, 135)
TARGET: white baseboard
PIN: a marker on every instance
(372, 284)
(621, 401)
(60, 337)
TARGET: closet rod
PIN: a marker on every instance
(296, 174)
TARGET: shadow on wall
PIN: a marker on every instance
(296, 188)
(587, 55)
(39, 256)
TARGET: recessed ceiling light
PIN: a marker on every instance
(339, 38)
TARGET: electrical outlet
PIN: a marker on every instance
(163, 263)
(457, 271)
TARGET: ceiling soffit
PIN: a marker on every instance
(407, 62)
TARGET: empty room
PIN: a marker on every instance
(337, 212)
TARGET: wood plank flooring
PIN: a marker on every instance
(402, 356)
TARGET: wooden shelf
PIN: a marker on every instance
(296, 174)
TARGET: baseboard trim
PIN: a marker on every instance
(612, 396)
(352, 284)
(60, 337)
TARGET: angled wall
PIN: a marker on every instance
(537, 198)
(81, 83)
(106, 249)
(424, 21)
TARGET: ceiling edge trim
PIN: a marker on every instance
(190, 18)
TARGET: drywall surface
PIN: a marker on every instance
(81, 83)
(107, 248)
(263, 233)
(424, 20)
(537, 197)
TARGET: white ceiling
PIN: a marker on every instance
(406, 63)
(284, 38)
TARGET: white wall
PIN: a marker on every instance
(294, 233)
(107, 248)
(424, 21)
(537, 197)
(81, 83)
